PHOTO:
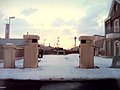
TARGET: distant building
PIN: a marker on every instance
(18, 42)
(75, 48)
(60, 51)
(99, 45)
(14, 41)
(112, 30)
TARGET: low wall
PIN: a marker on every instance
(19, 52)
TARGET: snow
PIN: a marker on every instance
(9, 44)
(61, 67)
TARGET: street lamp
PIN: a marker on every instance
(7, 29)
(75, 40)
(10, 19)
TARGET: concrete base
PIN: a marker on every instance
(86, 56)
(9, 56)
(116, 62)
(31, 55)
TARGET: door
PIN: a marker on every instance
(117, 48)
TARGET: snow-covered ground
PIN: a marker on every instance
(61, 67)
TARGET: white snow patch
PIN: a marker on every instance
(9, 44)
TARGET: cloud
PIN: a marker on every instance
(58, 22)
(19, 27)
(1, 15)
(91, 23)
(63, 18)
(64, 28)
(29, 11)
(71, 22)
(19, 23)
(88, 26)
(67, 32)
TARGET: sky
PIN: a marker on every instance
(51, 19)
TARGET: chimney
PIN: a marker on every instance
(7, 31)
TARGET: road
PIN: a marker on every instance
(107, 84)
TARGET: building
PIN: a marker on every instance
(112, 30)
(99, 45)
(18, 42)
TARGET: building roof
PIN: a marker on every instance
(112, 6)
(14, 41)
(118, 1)
(98, 35)
(108, 18)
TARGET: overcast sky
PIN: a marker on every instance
(54, 18)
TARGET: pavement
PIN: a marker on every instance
(106, 84)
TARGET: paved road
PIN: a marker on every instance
(60, 85)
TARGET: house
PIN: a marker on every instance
(112, 30)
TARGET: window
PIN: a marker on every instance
(34, 40)
(83, 41)
(116, 7)
(109, 47)
(108, 27)
(116, 25)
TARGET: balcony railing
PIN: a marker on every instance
(113, 35)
